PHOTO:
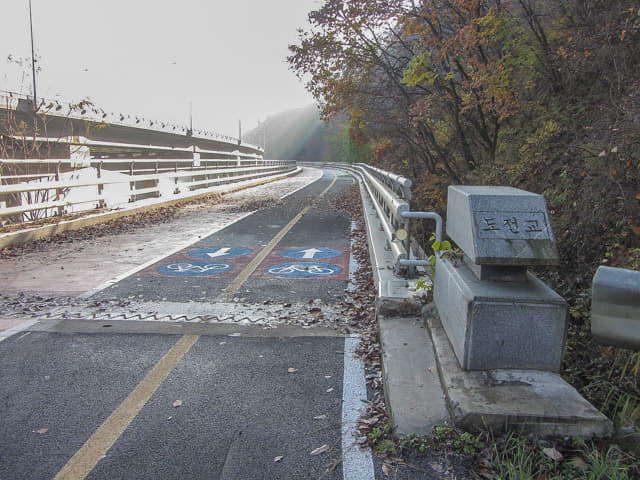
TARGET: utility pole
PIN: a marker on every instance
(33, 62)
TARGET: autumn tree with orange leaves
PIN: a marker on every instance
(542, 95)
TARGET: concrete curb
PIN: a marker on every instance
(38, 233)
(413, 393)
(411, 381)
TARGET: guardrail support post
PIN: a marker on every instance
(101, 202)
(58, 191)
(132, 184)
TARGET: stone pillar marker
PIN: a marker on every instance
(496, 314)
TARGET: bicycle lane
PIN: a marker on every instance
(245, 400)
(204, 271)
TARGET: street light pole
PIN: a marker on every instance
(33, 61)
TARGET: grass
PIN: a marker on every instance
(524, 458)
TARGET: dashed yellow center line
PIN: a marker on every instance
(97, 446)
(242, 277)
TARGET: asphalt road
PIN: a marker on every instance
(241, 407)
(155, 400)
(318, 241)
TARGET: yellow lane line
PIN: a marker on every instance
(233, 287)
(96, 447)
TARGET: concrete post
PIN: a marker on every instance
(496, 313)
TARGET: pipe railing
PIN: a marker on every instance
(391, 195)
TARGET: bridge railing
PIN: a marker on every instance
(31, 189)
(391, 195)
(92, 113)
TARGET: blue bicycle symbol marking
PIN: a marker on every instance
(195, 268)
(303, 270)
(310, 253)
(219, 252)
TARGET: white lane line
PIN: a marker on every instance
(190, 241)
(318, 176)
(17, 329)
(353, 262)
(357, 464)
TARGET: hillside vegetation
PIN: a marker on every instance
(541, 95)
(301, 135)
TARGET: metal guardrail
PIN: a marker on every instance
(391, 194)
(615, 307)
(37, 188)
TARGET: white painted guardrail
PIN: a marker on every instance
(391, 194)
(37, 188)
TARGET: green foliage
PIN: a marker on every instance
(441, 248)
(415, 442)
(424, 284)
(447, 437)
(382, 440)
(343, 147)
(524, 457)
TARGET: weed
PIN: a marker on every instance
(387, 447)
(441, 248)
(375, 435)
(450, 438)
(527, 458)
(415, 442)
(382, 441)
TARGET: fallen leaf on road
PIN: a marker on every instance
(320, 450)
(278, 458)
(552, 453)
(432, 370)
(327, 376)
(329, 390)
(386, 469)
(223, 343)
(177, 403)
(579, 462)
(320, 417)
(41, 431)
(292, 370)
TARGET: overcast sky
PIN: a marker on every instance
(153, 57)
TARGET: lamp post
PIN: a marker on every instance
(33, 61)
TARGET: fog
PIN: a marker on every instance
(156, 57)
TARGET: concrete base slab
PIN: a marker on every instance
(412, 385)
(535, 401)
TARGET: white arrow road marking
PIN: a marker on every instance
(310, 252)
(219, 253)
